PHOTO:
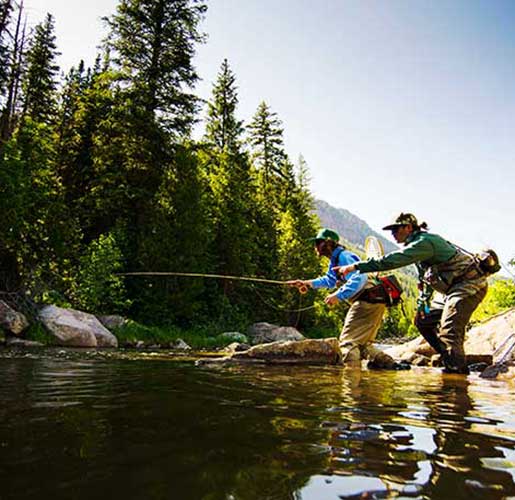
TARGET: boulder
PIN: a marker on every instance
(263, 333)
(302, 352)
(486, 342)
(76, 328)
(180, 345)
(406, 351)
(111, 321)
(489, 336)
(11, 320)
(236, 347)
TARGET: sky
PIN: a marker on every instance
(396, 105)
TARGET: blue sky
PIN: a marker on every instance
(395, 105)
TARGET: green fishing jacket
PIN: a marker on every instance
(441, 266)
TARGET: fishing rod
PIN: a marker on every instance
(302, 289)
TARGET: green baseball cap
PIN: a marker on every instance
(402, 220)
(326, 234)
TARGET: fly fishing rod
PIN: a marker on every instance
(303, 289)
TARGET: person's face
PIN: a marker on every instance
(321, 248)
(400, 233)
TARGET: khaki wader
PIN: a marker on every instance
(359, 331)
(444, 328)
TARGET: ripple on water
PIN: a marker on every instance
(250, 432)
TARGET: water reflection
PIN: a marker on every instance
(77, 425)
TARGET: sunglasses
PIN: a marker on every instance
(395, 229)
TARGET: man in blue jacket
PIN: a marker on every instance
(363, 318)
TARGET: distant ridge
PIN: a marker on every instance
(350, 227)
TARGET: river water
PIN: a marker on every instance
(90, 425)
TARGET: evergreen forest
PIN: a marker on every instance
(100, 175)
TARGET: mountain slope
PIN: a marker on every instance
(350, 227)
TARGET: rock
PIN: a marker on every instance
(233, 337)
(15, 342)
(180, 345)
(486, 342)
(11, 320)
(419, 360)
(405, 351)
(112, 321)
(263, 333)
(488, 336)
(312, 352)
(236, 347)
(140, 344)
(473, 359)
(76, 328)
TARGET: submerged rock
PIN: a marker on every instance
(76, 328)
(313, 352)
(263, 333)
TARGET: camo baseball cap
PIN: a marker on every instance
(326, 234)
(402, 220)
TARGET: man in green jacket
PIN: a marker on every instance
(444, 268)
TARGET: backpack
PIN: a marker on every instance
(487, 261)
(388, 291)
(392, 288)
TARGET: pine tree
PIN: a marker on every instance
(38, 228)
(178, 237)
(40, 83)
(153, 43)
(231, 183)
(76, 125)
(266, 139)
(13, 73)
(223, 130)
(6, 7)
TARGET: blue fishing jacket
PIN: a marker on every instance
(354, 282)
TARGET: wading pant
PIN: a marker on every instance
(444, 329)
(359, 331)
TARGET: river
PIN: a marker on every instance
(92, 425)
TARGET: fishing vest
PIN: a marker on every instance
(443, 276)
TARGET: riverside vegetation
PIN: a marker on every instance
(100, 174)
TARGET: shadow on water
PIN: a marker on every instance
(88, 425)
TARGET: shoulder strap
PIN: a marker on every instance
(336, 256)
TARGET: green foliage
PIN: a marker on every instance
(153, 44)
(102, 177)
(40, 84)
(266, 139)
(6, 7)
(37, 333)
(97, 288)
(500, 296)
(204, 336)
(223, 129)
(38, 230)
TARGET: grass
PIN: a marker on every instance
(203, 337)
(37, 333)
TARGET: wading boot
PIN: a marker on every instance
(454, 365)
